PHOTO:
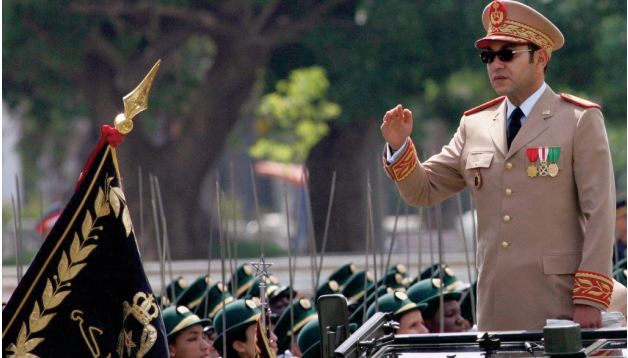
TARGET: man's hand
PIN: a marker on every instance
(397, 126)
(587, 316)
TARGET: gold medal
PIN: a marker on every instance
(532, 171)
(553, 169)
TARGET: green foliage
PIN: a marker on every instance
(291, 120)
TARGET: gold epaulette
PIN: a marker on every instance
(400, 169)
(580, 102)
(593, 286)
(485, 105)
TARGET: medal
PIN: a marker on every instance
(477, 180)
(533, 155)
(543, 161)
(554, 152)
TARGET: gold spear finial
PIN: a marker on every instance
(135, 102)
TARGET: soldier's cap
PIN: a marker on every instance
(343, 274)
(175, 287)
(396, 302)
(239, 316)
(309, 340)
(427, 291)
(399, 268)
(179, 318)
(355, 287)
(216, 295)
(282, 290)
(304, 312)
(512, 21)
(394, 280)
(357, 308)
(243, 279)
(193, 295)
(449, 277)
(272, 285)
(327, 288)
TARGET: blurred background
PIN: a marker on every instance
(251, 94)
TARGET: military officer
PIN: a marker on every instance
(539, 168)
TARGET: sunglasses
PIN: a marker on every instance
(504, 55)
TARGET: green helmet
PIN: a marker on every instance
(396, 303)
(394, 280)
(216, 295)
(399, 268)
(239, 316)
(243, 279)
(193, 295)
(343, 273)
(327, 288)
(354, 290)
(304, 312)
(179, 318)
(449, 276)
(309, 340)
(428, 291)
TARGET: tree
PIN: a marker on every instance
(66, 59)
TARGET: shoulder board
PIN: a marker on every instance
(485, 105)
(579, 101)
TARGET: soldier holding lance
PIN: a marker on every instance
(539, 168)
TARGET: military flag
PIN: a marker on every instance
(262, 345)
(86, 293)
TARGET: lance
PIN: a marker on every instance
(166, 240)
(141, 188)
(420, 229)
(257, 215)
(394, 235)
(235, 227)
(310, 232)
(227, 236)
(162, 265)
(466, 255)
(325, 234)
(441, 297)
(407, 237)
(222, 267)
(290, 268)
(18, 236)
(475, 232)
(429, 234)
(18, 266)
(209, 255)
(366, 259)
(371, 226)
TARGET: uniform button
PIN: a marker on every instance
(508, 165)
(505, 244)
(508, 192)
(506, 218)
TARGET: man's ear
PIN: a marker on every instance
(239, 346)
(543, 57)
(172, 350)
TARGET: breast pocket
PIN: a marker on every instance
(477, 160)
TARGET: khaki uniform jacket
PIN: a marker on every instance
(544, 243)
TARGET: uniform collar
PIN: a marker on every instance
(527, 105)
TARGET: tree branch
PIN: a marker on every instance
(262, 19)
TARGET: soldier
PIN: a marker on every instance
(303, 312)
(240, 329)
(310, 340)
(427, 292)
(185, 334)
(539, 168)
(406, 312)
(242, 280)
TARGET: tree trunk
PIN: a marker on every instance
(353, 151)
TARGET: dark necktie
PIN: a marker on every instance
(514, 125)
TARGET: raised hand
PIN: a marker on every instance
(397, 126)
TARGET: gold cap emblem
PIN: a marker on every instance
(333, 285)
(497, 13)
(250, 304)
(182, 309)
(305, 303)
(437, 283)
(247, 269)
(401, 295)
(182, 282)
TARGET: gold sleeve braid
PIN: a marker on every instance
(400, 169)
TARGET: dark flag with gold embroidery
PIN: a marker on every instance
(86, 293)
